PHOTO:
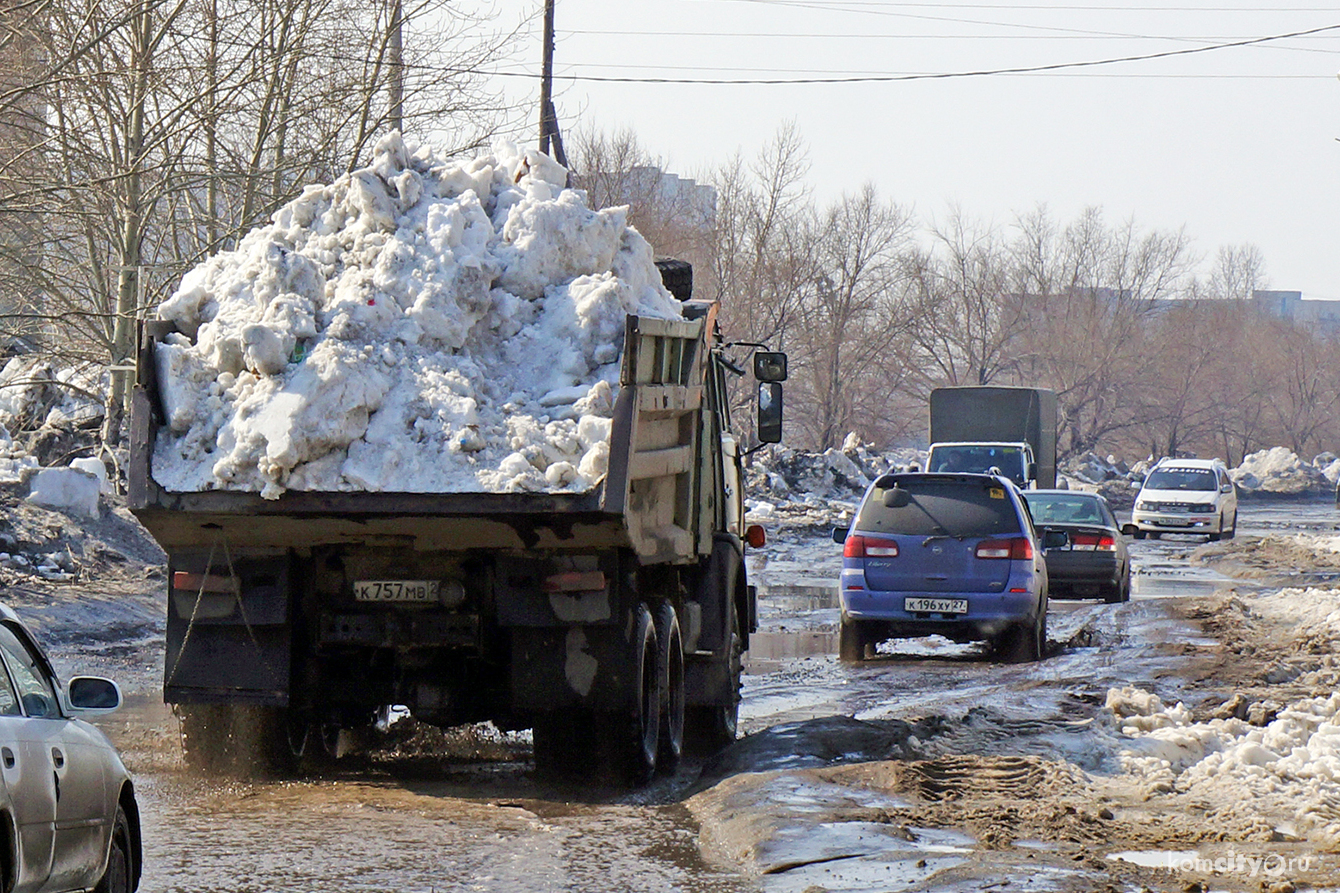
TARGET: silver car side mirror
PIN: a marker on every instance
(93, 695)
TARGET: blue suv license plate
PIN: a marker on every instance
(935, 605)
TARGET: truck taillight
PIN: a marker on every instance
(755, 536)
(575, 581)
(1018, 548)
(1093, 542)
(858, 546)
(189, 582)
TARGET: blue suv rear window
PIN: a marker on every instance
(943, 507)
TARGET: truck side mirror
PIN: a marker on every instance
(1032, 471)
(769, 412)
(770, 365)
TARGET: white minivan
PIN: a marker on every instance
(1186, 496)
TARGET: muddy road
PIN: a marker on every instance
(929, 768)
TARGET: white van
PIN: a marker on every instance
(1186, 496)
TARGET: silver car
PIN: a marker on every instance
(68, 818)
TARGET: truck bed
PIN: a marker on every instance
(650, 500)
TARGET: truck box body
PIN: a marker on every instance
(999, 415)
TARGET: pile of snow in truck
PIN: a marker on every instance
(416, 326)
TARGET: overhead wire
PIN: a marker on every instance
(985, 72)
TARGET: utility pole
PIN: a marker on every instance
(396, 51)
(548, 124)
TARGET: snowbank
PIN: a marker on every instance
(35, 392)
(1289, 767)
(418, 326)
(1280, 471)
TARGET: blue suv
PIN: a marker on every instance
(949, 554)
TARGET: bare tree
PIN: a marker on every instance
(847, 362)
(174, 126)
(1092, 290)
(967, 318)
(1239, 270)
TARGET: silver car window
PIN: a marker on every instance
(35, 692)
(9, 700)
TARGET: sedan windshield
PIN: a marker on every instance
(1181, 479)
(1049, 508)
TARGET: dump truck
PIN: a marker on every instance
(611, 622)
(1011, 429)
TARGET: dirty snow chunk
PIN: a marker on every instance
(66, 490)
(96, 468)
(401, 329)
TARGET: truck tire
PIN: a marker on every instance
(851, 641)
(632, 735)
(710, 727)
(670, 671)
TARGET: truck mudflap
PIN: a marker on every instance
(730, 613)
(586, 666)
(228, 630)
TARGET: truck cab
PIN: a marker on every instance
(1011, 460)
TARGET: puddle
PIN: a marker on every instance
(769, 650)
(799, 598)
(1166, 859)
(858, 856)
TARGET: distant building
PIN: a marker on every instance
(1319, 314)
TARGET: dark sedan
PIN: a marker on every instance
(1094, 562)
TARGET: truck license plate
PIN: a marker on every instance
(396, 590)
(935, 605)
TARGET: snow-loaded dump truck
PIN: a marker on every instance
(611, 622)
(477, 478)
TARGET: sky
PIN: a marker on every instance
(1237, 144)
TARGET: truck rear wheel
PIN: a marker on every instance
(670, 670)
(632, 735)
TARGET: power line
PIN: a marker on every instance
(1045, 7)
(989, 72)
(836, 72)
(867, 36)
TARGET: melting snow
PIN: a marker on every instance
(416, 326)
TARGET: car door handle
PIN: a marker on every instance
(58, 758)
(7, 757)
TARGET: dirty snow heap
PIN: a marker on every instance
(416, 326)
